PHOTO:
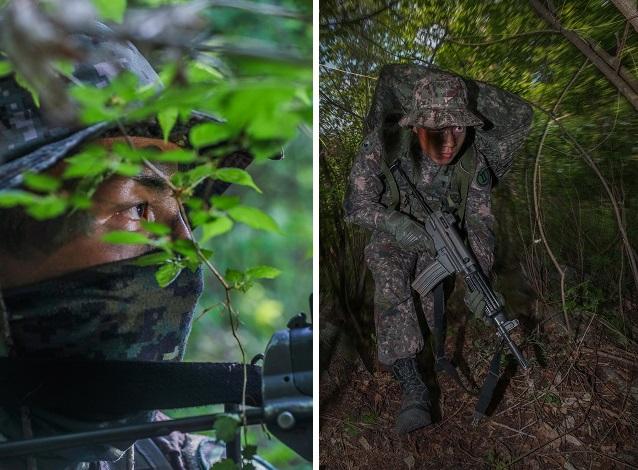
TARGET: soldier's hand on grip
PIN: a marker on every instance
(475, 302)
(408, 233)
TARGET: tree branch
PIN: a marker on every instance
(591, 53)
(356, 19)
(337, 105)
(629, 10)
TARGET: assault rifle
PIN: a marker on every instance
(452, 256)
(284, 385)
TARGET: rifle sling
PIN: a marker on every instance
(443, 364)
(487, 390)
(113, 387)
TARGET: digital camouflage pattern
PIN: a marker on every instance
(393, 269)
(113, 311)
(368, 198)
(440, 102)
(506, 117)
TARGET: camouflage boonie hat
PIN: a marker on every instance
(30, 142)
(440, 102)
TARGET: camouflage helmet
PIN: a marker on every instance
(29, 141)
(440, 101)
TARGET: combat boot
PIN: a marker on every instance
(415, 403)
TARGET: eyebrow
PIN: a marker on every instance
(153, 182)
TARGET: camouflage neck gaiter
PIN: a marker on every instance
(114, 311)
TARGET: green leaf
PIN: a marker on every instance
(236, 176)
(254, 218)
(20, 80)
(41, 182)
(175, 156)
(132, 154)
(197, 72)
(249, 451)
(111, 9)
(123, 237)
(47, 207)
(225, 427)
(224, 202)
(263, 149)
(16, 197)
(156, 228)
(263, 272)
(80, 201)
(186, 248)
(167, 273)
(5, 68)
(64, 67)
(152, 259)
(215, 228)
(234, 277)
(192, 178)
(90, 162)
(198, 217)
(209, 133)
(128, 169)
(167, 119)
(226, 464)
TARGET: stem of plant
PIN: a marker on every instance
(213, 270)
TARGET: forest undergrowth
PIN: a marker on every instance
(576, 408)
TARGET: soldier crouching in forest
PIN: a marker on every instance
(443, 145)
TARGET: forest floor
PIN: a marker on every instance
(577, 408)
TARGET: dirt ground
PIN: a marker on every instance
(577, 408)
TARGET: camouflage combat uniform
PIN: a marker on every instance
(368, 200)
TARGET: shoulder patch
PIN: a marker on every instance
(483, 179)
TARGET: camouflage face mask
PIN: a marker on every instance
(113, 311)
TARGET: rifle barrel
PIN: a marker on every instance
(39, 445)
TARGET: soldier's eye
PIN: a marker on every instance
(459, 129)
(137, 212)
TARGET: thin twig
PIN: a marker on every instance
(617, 213)
(517, 431)
(212, 268)
(537, 184)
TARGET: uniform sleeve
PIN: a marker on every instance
(362, 204)
(479, 218)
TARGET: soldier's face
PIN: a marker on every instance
(441, 145)
(119, 203)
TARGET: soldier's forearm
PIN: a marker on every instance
(482, 245)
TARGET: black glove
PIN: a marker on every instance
(408, 233)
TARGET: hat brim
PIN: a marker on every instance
(439, 118)
(12, 172)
